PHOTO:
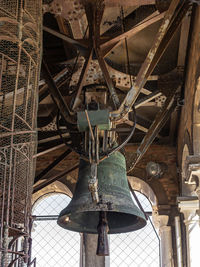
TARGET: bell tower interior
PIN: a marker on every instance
(99, 133)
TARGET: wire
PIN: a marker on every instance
(125, 141)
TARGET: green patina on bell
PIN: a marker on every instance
(82, 214)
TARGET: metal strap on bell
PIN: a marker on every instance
(82, 214)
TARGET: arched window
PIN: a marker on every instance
(52, 245)
(138, 248)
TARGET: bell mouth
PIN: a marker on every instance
(87, 222)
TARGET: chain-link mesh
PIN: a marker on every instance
(53, 246)
(20, 48)
(139, 248)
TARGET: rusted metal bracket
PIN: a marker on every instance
(129, 2)
(52, 165)
(77, 43)
(109, 82)
(54, 178)
(56, 95)
(168, 27)
(160, 120)
(82, 79)
(107, 46)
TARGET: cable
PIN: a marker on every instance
(125, 141)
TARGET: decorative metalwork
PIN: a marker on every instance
(20, 48)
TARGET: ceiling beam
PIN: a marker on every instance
(160, 120)
(147, 99)
(52, 165)
(107, 46)
(82, 79)
(166, 31)
(112, 3)
(81, 43)
(58, 177)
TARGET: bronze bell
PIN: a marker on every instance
(122, 215)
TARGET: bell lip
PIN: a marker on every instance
(141, 222)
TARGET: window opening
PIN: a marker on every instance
(52, 245)
(140, 248)
(55, 246)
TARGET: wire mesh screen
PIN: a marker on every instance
(139, 248)
(20, 48)
(53, 246)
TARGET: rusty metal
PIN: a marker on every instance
(20, 46)
(162, 5)
(36, 188)
(160, 120)
(56, 95)
(43, 91)
(147, 67)
(82, 79)
(46, 151)
(129, 3)
(107, 46)
(52, 165)
(77, 43)
(109, 82)
(147, 99)
(137, 201)
(94, 13)
(89, 124)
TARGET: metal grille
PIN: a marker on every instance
(20, 48)
(139, 248)
(53, 245)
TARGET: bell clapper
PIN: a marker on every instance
(102, 229)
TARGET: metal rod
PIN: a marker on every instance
(109, 45)
(129, 3)
(137, 201)
(156, 126)
(148, 65)
(82, 78)
(178, 241)
(54, 178)
(48, 150)
(52, 165)
(66, 38)
(89, 124)
(56, 95)
(147, 99)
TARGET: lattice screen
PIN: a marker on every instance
(20, 50)
(139, 248)
(53, 246)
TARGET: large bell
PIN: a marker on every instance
(82, 214)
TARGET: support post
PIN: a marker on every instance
(88, 255)
(189, 207)
(160, 222)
